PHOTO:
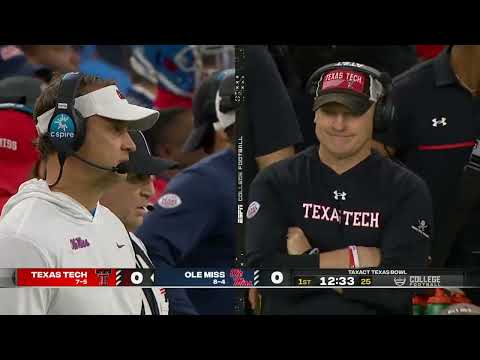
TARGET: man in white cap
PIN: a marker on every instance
(58, 222)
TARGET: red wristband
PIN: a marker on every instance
(353, 257)
(351, 260)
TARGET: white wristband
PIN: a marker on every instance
(356, 260)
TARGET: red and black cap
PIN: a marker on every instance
(349, 84)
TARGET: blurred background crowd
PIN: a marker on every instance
(157, 76)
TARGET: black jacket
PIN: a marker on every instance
(376, 203)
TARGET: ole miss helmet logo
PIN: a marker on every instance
(169, 201)
(253, 209)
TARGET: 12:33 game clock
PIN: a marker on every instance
(336, 280)
(330, 281)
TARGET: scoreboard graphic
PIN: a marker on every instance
(362, 278)
(241, 277)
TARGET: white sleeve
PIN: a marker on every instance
(16, 252)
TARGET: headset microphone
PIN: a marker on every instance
(121, 168)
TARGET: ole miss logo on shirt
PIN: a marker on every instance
(350, 218)
(79, 243)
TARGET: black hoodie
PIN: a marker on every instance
(377, 203)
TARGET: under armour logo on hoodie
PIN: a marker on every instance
(442, 121)
(338, 195)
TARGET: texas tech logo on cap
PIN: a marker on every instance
(343, 79)
(346, 79)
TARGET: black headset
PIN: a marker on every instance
(66, 129)
(67, 126)
(385, 109)
(226, 92)
(216, 79)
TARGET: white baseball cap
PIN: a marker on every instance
(110, 103)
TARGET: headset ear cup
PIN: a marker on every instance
(384, 114)
(385, 110)
(389, 109)
(386, 80)
(66, 126)
(379, 124)
(80, 127)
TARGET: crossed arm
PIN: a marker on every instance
(298, 244)
(272, 244)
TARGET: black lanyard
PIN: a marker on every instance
(148, 292)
